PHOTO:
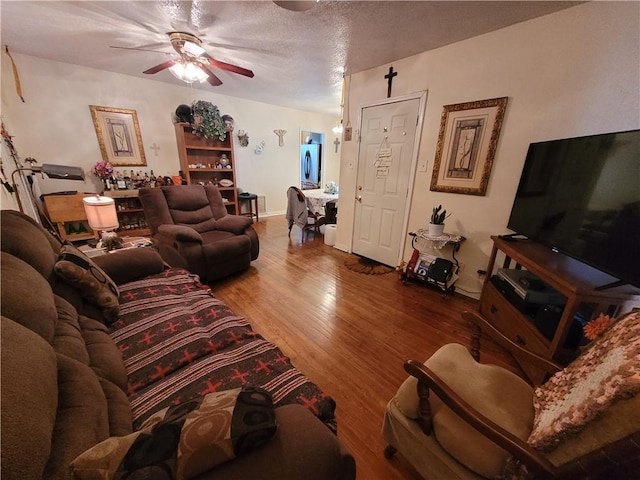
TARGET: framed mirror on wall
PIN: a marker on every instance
(311, 160)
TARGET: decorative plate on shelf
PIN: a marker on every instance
(225, 182)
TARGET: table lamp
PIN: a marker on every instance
(102, 217)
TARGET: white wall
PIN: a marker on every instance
(571, 73)
(55, 126)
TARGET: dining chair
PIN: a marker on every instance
(299, 213)
(331, 212)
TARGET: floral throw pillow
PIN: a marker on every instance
(607, 371)
(183, 441)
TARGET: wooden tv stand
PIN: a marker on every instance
(573, 279)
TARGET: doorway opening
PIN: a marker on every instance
(311, 159)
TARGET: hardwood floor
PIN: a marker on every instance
(350, 333)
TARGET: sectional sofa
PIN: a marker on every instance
(105, 365)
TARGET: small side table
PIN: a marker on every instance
(128, 243)
(252, 198)
(421, 239)
(420, 265)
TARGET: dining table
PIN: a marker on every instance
(317, 198)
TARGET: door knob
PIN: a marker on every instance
(359, 198)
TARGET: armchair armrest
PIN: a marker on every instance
(180, 233)
(234, 223)
(427, 379)
(513, 348)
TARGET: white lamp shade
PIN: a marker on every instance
(101, 213)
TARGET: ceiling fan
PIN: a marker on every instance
(192, 62)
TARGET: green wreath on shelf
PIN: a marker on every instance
(207, 121)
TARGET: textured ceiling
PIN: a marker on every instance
(297, 56)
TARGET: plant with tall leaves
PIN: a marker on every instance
(437, 216)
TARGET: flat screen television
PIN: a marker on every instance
(581, 196)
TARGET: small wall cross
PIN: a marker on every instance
(280, 133)
(389, 78)
(155, 149)
(336, 142)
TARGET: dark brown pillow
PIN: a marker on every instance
(125, 266)
(78, 270)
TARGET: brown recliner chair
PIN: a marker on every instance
(192, 229)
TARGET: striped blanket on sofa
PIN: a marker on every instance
(179, 342)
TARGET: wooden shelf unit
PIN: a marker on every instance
(66, 212)
(194, 150)
(130, 213)
(576, 281)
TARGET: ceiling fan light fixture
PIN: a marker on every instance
(296, 6)
(184, 42)
(188, 72)
(193, 49)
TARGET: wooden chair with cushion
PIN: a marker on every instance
(455, 418)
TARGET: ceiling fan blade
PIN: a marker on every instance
(160, 67)
(227, 66)
(141, 49)
(212, 79)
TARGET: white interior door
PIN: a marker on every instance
(385, 159)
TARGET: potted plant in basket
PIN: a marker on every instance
(207, 121)
(436, 225)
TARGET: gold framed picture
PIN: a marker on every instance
(467, 143)
(119, 136)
